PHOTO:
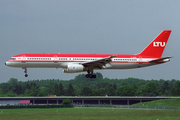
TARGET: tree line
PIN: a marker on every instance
(82, 86)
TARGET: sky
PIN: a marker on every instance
(88, 26)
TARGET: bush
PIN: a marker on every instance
(66, 102)
(34, 106)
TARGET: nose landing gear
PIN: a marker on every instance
(25, 71)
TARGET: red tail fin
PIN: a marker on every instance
(156, 47)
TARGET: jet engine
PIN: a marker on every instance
(74, 68)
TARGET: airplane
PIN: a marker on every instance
(74, 63)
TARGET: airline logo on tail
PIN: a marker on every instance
(159, 44)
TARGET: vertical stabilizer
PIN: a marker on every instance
(156, 47)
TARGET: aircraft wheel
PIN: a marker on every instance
(26, 75)
(87, 75)
(90, 76)
(94, 76)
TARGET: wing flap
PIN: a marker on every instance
(99, 62)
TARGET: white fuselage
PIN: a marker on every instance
(59, 62)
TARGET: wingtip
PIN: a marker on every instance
(113, 56)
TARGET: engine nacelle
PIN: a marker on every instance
(74, 68)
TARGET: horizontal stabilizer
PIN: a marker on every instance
(165, 59)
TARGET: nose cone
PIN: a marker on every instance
(7, 63)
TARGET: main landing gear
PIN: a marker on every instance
(90, 74)
(25, 71)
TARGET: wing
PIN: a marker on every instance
(165, 59)
(98, 63)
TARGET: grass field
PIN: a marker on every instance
(170, 102)
(88, 114)
(95, 113)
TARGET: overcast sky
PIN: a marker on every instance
(88, 26)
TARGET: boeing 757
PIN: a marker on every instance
(74, 63)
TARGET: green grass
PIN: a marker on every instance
(168, 102)
(87, 114)
(95, 113)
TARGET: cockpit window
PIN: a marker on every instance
(13, 58)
